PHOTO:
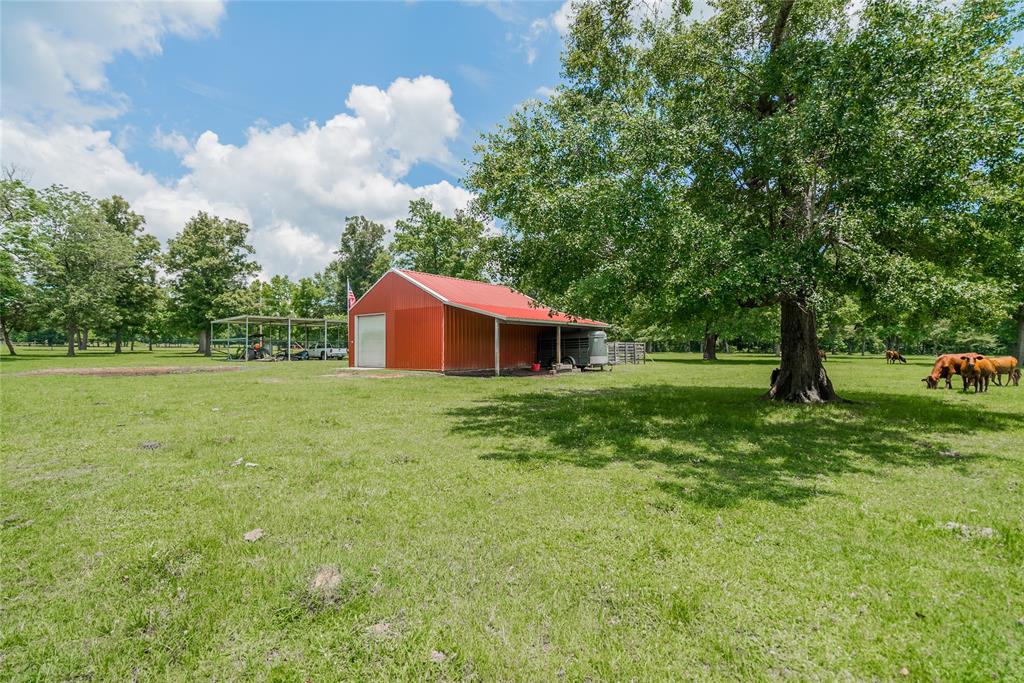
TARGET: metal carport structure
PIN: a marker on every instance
(254, 326)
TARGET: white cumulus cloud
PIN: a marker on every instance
(55, 55)
(294, 186)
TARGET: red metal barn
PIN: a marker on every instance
(419, 321)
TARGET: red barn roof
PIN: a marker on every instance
(497, 301)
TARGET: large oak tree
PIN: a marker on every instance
(778, 153)
(430, 242)
(209, 263)
(76, 262)
(137, 290)
(361, 260)
(19, 244)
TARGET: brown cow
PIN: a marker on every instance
(892, 357)
(946, 365)
(976, 371)
(822, 355)
(1006, 365)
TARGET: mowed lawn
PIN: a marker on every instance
(655, 522)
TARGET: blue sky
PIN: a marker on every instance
(287, 116)
(295, 62)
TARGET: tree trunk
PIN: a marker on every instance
(710, 342)
(1020, 335)
(150, 343)
(204, 342)
(83, 339)
(725, 345)
(7, 337)
(117, 341)
(802, 377)
(71, 340)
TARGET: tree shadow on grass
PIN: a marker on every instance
(720, 445)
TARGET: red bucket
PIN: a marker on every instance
(535, 367)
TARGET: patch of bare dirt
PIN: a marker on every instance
(969, 531)
(327, 589)
(359, 374)
(254, 535)
(326, 581)
(132, 372)
(381, 629)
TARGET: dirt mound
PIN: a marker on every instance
(131, 372)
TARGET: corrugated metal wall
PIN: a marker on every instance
(414, 324)
(469, 342)
(518, 345)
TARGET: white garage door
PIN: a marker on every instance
(370, 341)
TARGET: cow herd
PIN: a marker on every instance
(974, 369)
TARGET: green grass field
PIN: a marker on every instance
(656, 522)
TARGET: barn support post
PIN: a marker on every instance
(245, 349)
(289, 338)
(497, 347)
(558, 346)
(325, 340)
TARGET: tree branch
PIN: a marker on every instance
(780, 25)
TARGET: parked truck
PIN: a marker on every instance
(328, 351)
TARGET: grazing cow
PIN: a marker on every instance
(946, 365)
(892, 356)
(976, 371)
(1006, 365)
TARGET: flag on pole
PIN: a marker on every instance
(351, 295)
